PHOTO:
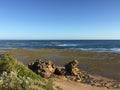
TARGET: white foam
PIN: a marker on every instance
(64, 45)
(115, 50)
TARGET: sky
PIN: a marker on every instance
(59, 19)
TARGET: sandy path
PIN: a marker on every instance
(70, 85)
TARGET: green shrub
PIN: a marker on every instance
(15, 76)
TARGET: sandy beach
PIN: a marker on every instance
(70, 85)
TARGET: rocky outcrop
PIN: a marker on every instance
(71, 72)
(105, 83)
(71, 68)
(60, 70)
(43, 68)
(46, 69)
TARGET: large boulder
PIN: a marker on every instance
(71, 68)
(42, 68)
(60, 70)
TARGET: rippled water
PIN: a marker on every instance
(85, 45)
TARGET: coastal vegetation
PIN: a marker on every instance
(16, 76)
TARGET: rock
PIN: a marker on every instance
(60, 71)
(72, 78)
(71, 68)
(80, 76)
(38, 71)
(75, 71)
(115, 86)
(30, 66)
(79, 80)
(109, 85)
(42, 68)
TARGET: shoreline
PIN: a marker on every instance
(95, 63)
(116, 51)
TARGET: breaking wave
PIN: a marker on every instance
(116, 50)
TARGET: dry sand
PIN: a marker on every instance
(71, 85)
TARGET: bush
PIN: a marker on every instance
(15, 76)
(10, 81)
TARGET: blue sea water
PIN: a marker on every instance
(85, 45)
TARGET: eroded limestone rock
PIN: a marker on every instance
(42, 68)
(71, 68)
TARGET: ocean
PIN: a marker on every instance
(84, 45)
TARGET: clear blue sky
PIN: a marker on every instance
(59, 19)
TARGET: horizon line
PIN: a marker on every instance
(60, 39)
